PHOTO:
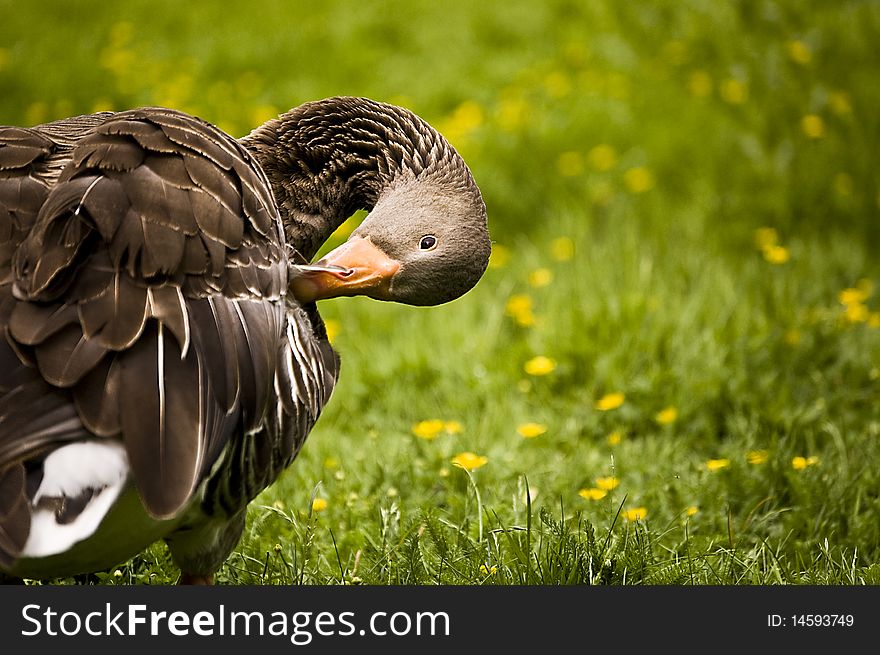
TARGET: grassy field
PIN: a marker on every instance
(670, 372)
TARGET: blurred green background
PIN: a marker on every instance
(684, 202)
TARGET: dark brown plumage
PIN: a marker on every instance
(158, 370)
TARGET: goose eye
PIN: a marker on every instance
(428, 242)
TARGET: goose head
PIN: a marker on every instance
(425, 240)
(424, 243)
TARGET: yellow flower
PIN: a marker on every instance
(757, 456)
(717, 464)
(453, 427)
(856, 313)
(428, 429)
(602, 157)
(610, 401)
(813, 126)
(540, 277)
(499, 257)
(608, 483)
(700, 84)
(333, 327)
(562, 249)
(853, 295)
(539, 365)
(639, 179)
(799, 463)
(799, 52)
(319, 505)
(614, 438)
(792, 337)
(592, 494)
(693, 509)
(666, 416)
(766, 237)
(469, 461)
(518, 303)
(570, 163)
(776, 254)
(531, 430)
(734, 91)
(635, 514)
(488, 571)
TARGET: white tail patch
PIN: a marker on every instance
(67, 473)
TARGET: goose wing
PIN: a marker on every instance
(145, 280)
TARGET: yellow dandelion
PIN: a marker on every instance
(539, 365)
(531, 430)
(856, 313)
(610, 401)
(608, 483)
(853, 296)
(766, 237)
(468, 116)
(614, 438)
(813, 126)
(733, 91)
(799, 52)
(488, 570)
(333, 328)
(792, 337)
(776, 254)
(666, 416)
(639, 179)
(428, 429)
(602, 157)
(840, 103)
(319, 505)
(700, 84)
(499, 257)
(540, 277)
(693, 509)
(799, 463)
(525, 319)
(570, 163)
(562, 249)
(717, 464)
(469, 461)
(636, 514)
(592, 494)
(518, 303)
(453, 427)
(757, 456)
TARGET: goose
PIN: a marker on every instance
(162, 357)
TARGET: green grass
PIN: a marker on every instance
(667, 298)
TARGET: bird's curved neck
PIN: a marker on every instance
(329, 158)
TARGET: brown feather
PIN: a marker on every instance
(159, 411)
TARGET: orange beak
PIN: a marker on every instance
(356, 268)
